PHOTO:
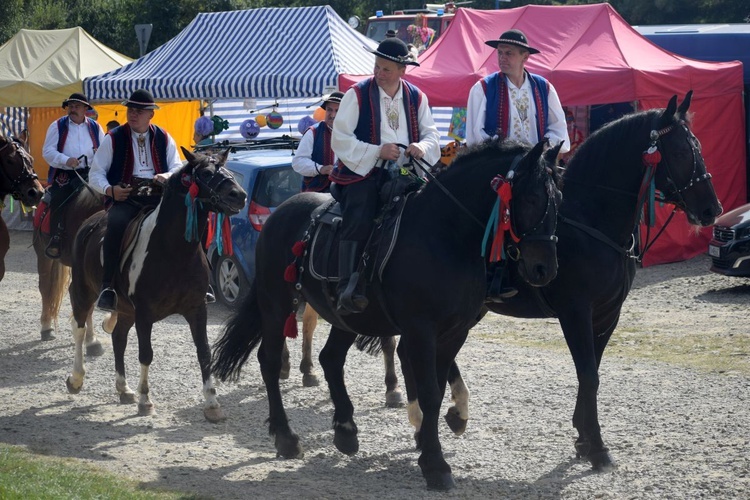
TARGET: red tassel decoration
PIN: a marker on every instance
(298, 248)
(290, 273)
(193, 190)
(210, 229)
(652, 157)
(226, 235)
(290, 327)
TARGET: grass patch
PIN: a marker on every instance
(24, 475)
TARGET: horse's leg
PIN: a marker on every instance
(332, 358)
(211, 409)
(393, 396)
(119, 343)
(74, 382)
(413, 411)
(143, 327)
(53, 277)
(458, 415)
(109, 322)
(309, 322)
(579, 335)
(269, 357)
(285, 366)
(4, 246)
(93, 346)
(430, 366)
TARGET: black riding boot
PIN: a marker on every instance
(498, 286)
(53, 249)
(351, 287)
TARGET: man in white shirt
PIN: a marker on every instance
(134, 153)
(69, 145)
(513, 104)
(375, 115)
(314, 158)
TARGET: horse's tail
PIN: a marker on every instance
(58, 283)
(242, 334)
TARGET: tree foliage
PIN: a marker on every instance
(112, 22)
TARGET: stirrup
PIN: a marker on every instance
(107, 300)
(52, 251)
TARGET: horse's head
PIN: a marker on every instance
(17, 176)
(533, 214)
(681, 174)
(217, 188)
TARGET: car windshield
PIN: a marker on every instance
(275, 186)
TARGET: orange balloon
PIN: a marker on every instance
(261, 120)
(319, 115)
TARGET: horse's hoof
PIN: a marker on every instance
(394, 399)
(94, 349)
(583, 448)
(288, 447)
(284, 374)
(310, 380)
(417, 441)
(455, 422)
(105, 329)
(146, 409)
(439, 481)
(214, 415)
(601, 461)
(71, 388)
(127, 398)
(48, 334)
(345, 441)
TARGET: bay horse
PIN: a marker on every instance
(605, 187)
(18, 179)
(431, 291)
(165, 273)
(54, 273)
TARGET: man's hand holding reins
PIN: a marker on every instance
(415, 151)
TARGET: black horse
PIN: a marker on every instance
(431, 291)
(18, 179)
(164, 273)
(604, 190)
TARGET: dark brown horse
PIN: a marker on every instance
(54, 273)
(18, 179)
(165, 272)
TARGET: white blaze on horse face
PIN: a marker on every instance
(140, 252)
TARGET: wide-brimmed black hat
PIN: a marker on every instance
(140, 99)
(513, 37)
(394, 49)
(76, 97)
(332, 97)
(391, 33)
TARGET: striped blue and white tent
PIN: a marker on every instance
(256, 53)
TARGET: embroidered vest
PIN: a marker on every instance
(368, 125)
(322, 154)
(496, 91)
(123, 157)
(62, 136)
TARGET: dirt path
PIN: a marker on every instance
(675, 431)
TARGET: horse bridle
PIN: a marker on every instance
(213, 199)
(675, 195)
(27, 173)
(514, 252)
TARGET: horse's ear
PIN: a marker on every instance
(685, 104)
(223, 156)
(551, 154)
(190, 157)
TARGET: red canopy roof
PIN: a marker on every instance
(592, 56)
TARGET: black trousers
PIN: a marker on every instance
(62, 190)
(359, 207)
(119, 216)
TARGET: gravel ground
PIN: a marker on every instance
(678, 428)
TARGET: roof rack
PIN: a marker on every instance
(283, 142)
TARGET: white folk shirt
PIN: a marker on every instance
(361, 157)
(142, 167)
(302, 161)
(77, 144)
(521, 100)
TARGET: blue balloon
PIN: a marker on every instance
(305, 123)
(249, 129)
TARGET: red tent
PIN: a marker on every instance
(592, 56)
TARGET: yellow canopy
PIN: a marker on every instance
(41, 68)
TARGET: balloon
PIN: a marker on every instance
(249, 129)
(260, 120)
(204, 126)
(91, 113)
(305, 123)
(219, 124)
(319, 115)
(274, 119)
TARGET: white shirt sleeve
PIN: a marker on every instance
(557, 128)
(476, 110)
(429, 140)
(50, 153)
(360, 157)
(100, 165)
(174, 162)
(302, 161)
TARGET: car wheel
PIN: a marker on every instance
(231, 284)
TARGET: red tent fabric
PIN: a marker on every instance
(592, 56)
